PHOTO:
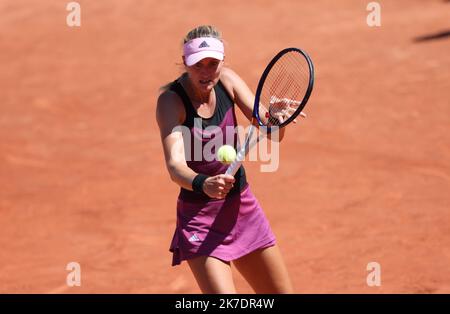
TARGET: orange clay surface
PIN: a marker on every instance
(365, 178)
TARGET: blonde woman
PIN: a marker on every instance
(219, 221)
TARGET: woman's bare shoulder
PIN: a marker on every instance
(228, 75)
(230, 79)
(170, 107)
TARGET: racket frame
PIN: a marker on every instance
(263, 78)
(248, 144)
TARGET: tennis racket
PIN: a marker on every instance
(283, 91)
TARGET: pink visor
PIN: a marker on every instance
(201, 48)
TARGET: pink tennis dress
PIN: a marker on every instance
(226, 228)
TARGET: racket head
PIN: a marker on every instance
(288, 77)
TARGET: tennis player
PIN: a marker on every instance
(219, 220)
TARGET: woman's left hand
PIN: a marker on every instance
(282, 109)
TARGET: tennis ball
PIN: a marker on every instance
(226, 154)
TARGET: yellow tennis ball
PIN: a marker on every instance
(226, 154)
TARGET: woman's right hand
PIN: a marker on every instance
(218, 186)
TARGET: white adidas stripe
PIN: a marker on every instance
(194, 238)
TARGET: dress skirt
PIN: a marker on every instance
(226, 229)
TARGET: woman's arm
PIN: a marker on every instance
(169, 114)
(243, 96)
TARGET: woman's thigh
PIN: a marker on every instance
(265, 271)
(212, 274)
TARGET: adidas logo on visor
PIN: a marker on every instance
(204, 44)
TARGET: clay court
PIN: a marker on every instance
(365, 178)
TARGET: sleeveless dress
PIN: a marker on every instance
(226, 228)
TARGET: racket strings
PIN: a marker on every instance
(284, 88)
